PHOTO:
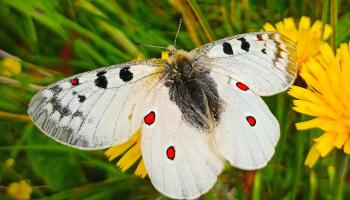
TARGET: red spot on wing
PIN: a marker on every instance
(251, 120)
(259, 36)
(170, 153)
(74, 81)
(242, 86)
(150, 118)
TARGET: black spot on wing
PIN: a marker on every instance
(101, 73)
(101, 82)
(227, 48)
(57, 106)
(77, 114)
(65, 111)
(82, 98)
(263, 51)
(245, 45)
(56, 89)
(125, 74)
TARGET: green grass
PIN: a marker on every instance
(55, 39)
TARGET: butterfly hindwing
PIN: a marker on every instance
(94, 110)
(180, 160)
(263, 60)
(248, 132)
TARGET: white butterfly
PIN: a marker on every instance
(195, 110)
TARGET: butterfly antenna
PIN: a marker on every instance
(178, 30)
(151, 46)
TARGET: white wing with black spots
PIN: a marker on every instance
(265, 61)
(95, 110)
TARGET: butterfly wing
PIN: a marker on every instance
(248, 132)
(94, 110)
(180, 161)
(265, 61)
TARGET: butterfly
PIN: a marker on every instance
(196, 110)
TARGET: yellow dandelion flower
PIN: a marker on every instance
(10, 67)
(19, 190)
(326, 99)
(307, 37)
(9, 162)
(131, 149)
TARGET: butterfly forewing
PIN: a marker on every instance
(94, 110)
(265, 61)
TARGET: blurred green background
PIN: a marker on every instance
(55, 39)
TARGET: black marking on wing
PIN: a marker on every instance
(82, 98)
(101, 73)
(245, 45)
(227, 48)
(56, 89)
(125, 74)
(77, 114)
(101, 82)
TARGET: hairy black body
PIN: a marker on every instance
(193, 90)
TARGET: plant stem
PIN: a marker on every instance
(14, 83)
(16, 117)
(340, 167)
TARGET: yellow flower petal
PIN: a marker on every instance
(316, 27)
(347, 146)
(304, 94)
(289, 23)
(312, 156)
(313, 123)
(280, 28)
(165, 55)
(116, 151)
(304, 23)
(130, 157)
(132, 153)
(325, 143)
(327, 32)
(141, 170)
(341, 139)
(269, 27)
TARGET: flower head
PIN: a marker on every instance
(10, 67)
(19, 190)
(326, 99)
(307, 37)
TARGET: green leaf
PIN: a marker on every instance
(60, 170)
